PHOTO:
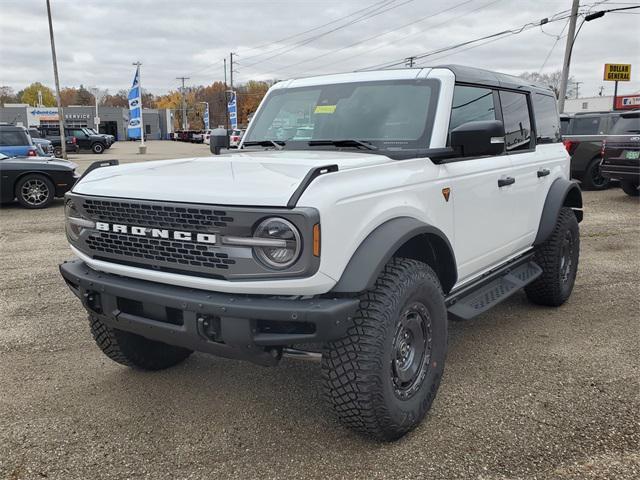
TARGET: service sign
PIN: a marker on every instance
(617, 72)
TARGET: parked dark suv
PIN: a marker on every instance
(84, 139)
(583, 134)
(621, 153)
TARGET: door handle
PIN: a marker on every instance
(503, 182)
(543, 172)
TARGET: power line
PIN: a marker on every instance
(375, 13)
(501, 34)
(375, 37)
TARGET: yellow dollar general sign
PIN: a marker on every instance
(618, 72)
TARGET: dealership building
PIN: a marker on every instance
(158, 123)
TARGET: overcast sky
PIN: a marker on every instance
(97, 40)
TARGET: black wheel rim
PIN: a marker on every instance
(34, 192)
(596, 177)
(566, 256)
(411, 350)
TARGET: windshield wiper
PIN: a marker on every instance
(343, 143)
(279, 144)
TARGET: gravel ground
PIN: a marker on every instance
(528, 392)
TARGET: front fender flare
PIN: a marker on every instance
(381, 244)
(563, 193)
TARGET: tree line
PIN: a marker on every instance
(249, 95)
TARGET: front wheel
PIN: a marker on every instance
(630, 188)
(57, 152)
(381, 378)
(133, 350)
(558, 257)
(97, 148)
(35, 191)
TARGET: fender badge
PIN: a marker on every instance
(445, 193)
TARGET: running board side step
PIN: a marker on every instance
(497, 286)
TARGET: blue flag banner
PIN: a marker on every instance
(134, 129)
(205, 118)
(233, 111)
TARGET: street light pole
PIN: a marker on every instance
(63, 137)
(567, 55)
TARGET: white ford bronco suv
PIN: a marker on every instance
(361, 211)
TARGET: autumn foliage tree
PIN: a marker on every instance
(30, 95)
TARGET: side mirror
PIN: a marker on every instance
(474, 139)
(218, 140)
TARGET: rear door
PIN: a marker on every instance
(537, 158)
(483, 234)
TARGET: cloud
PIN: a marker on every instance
(97, 41)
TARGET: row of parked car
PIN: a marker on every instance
(203, 136)
(45, 141)
(604, 147)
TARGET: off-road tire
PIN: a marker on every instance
(42, 183)
(630, 188)
(554, 286)
(593, 179)
(97, 148)
(133, 350)
(358, 370)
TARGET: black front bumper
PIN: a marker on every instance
(249, 327)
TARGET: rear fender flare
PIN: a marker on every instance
(563, 193)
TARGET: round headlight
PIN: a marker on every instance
(286, 242)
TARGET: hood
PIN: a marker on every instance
(266, 178)
(35, 162)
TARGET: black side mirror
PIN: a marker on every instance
(218, 140)
(474, 139)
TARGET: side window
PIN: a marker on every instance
(517, 121)
(585, 126)
(564, 126)
(628, 124)
(547, 119)
(471, 104)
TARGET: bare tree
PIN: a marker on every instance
(551, 80)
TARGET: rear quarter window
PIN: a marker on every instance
(9, 138)
(547, 119)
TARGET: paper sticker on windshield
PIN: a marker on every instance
(325, 109)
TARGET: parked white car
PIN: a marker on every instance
(410, 196)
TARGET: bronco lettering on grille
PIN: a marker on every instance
(208, 238)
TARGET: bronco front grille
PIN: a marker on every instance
(171, 251)
(153, 215)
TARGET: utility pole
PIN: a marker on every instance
(409, 61)
(184, 105)
(63, 137)
(231, 69)
(578, 89)
(226, 109)
(567, 54)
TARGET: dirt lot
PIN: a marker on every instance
(528, 392)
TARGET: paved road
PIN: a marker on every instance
(528, 392)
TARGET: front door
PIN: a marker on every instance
(484, 233)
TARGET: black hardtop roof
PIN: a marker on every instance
(494, 79)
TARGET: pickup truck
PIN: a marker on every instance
(621, 153)
(72, 146)
(583, 134)
(84, 140)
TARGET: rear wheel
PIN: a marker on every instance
(35, 191)
(558, 257)
(593, 179)
(382, 377)
(57, 151)
(630, 188)
(133, 350)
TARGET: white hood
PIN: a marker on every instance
(251, 178)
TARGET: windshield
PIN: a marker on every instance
(394, 114)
